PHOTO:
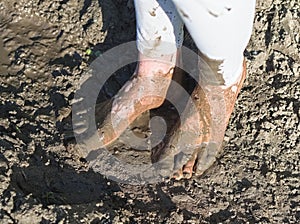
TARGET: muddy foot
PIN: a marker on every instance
(145, 91)
(197, 142)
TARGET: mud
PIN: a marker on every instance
(44, 50)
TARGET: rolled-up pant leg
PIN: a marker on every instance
(221, 31)
(159, 28)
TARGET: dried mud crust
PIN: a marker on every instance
(43, 179)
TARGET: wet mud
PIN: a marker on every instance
(46, 47)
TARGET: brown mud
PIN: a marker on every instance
(43, 54)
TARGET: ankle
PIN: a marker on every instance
(225, 71)
(162, 66)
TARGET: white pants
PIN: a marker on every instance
(221, 29)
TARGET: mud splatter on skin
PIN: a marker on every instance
(141, 93)
(210, 70)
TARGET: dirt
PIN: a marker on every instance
(44, 51)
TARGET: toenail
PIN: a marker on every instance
(176, 176)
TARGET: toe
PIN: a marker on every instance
(187, 174)
(206, 157)
(178, 164)
(188, 168)
(178, 175)
(184, 170)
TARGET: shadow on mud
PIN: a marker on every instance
(52, 182)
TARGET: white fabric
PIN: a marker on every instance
(159, 27)
(221, 29)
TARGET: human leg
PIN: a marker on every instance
(221, 32)
(159, 36)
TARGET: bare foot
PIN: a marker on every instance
(146, 90)
(197, 142)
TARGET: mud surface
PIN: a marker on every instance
(43, 53)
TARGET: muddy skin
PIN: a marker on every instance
(137, 96)
(43, 178)
(199, 139)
